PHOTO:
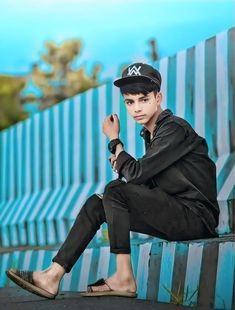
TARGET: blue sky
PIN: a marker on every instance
(113, 31)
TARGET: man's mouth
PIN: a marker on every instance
(139, 116)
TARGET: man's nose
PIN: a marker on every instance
(137, 107)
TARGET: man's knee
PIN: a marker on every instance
(93, 206)
(114, 191)
(113, 184)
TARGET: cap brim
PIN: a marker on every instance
(134, 79)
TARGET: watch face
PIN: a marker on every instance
(112, 145)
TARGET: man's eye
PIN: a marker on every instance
(145, 99)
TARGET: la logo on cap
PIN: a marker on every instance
(134, 71)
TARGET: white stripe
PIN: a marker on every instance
(102, 138)
(47, 171)
(66, 147)
(66, 282)
(227, 186)
(37, 208)
(11, 170)
(14, 236)
(163, 66)
(223, 226)
(60, 213)
(56, 149)
(56, 204)
(89, 144)
(4, 209)
(81, 200)
(9, 214)
(220, 163)
(116, 101)
(19, 159)
(85, 269)
(4, 165)
(76, 141)
(143, 269)
(40, 258)
(27, 158)
(200, 89)
(67, 201)
(37, 149)
(193, 269)
(180, 83)
(131, 141)
(42, 216)
(27, 260)
(222, 93)
(103, 264)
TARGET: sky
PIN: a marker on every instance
(113, 32)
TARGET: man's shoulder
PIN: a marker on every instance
(176, 122)
(179, 121)
(177, 127)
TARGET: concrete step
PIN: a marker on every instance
(194, 273)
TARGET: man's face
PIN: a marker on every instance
(142, 107)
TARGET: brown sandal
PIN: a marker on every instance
(25, 280)
(109, 292)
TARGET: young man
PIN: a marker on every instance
(169, 193)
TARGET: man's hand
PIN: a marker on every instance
(111, 126)
(112, 160)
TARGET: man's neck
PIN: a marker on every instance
(151, 124)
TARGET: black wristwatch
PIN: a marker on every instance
(113, 144)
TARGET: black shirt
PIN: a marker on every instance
(177, 161)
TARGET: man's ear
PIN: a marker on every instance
(159, 97)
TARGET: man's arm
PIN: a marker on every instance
(171, 143)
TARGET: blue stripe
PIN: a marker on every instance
(225, 280)
(166, 275)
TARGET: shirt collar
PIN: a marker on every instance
(144, 131)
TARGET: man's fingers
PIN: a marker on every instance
(113, 160)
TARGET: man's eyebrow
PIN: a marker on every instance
(130, 100)
(145, 96)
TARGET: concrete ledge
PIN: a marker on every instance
(199, 272)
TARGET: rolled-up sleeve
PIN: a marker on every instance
(171, 142)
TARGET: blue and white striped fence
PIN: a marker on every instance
(51, 163)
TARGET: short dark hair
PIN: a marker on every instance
(139, 88)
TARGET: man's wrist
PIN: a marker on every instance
(113, 144)
(119, 149)
(113, 137)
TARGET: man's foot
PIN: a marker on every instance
(43, 283)
(24, 278)
(116, 283)
(46, 281)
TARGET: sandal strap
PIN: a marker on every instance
(97, 283)
(25, 275)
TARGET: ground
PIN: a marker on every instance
(17, 298)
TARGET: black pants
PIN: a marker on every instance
(128, 207)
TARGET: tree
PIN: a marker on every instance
(61, 81)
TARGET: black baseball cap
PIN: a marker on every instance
(139, 73)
